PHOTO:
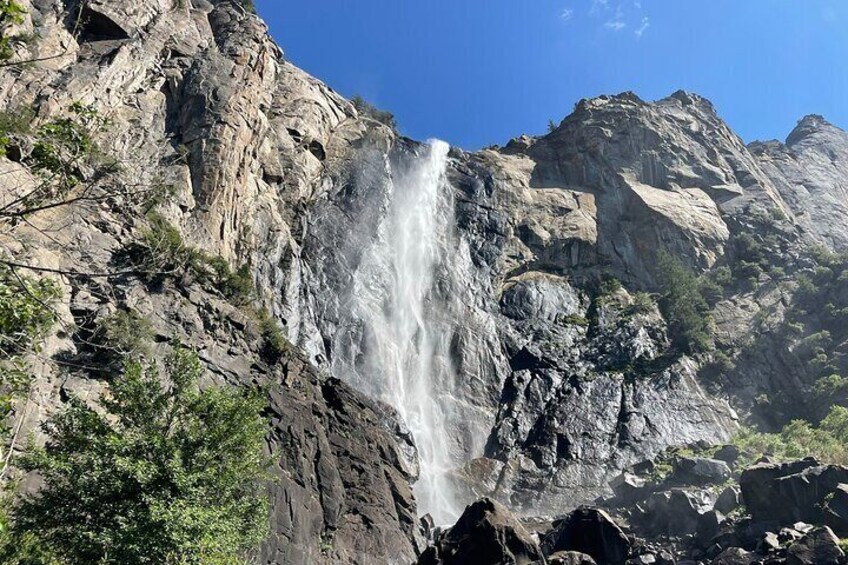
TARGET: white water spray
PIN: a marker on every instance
(404, 358)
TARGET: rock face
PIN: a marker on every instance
(560, 371)
(789, 492)
(590, 531)
(820, 546)
(487, 534)
(809, 172)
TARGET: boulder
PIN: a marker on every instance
(674, 512)
(699, 471)
(819, 547)
(486, 533)
(788, 492)
(570, 558)
(769, 543)
(727, 453)
(629, 488)
(591, 531)
(730, 499)
(733, 556)
(836, 510)
(709, 526)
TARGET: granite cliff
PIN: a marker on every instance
(552, 362)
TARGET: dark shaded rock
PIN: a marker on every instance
(727, 453)
(488, 534)
(789, 492)
(591, 531)
(629, 488)
(836, 510)
(819, 547)
(709, 525)
(699, 471)
(570, 558)
(675, 512)
(343, 477)
(769, 543)
(733, 556)
(729, 499)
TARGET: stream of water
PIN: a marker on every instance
(406, 359)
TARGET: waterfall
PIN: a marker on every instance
(402, 334)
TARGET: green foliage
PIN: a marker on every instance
(162, 253)
(25, 311)
(11, 13)
(275, 342)
(12, 124)
(722, 276)
(551, 126)
(123, 337)
(575, 320)
(168, 474)
(683, 305)
(368, 110)
(641, 303)
(235, 285)
(64, 144)
(828, 442)
(63, 149)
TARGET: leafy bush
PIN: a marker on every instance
(26, 314)
(11, 13)
(368, 110)
(235, 285)
(683, 305)
(274, 340)
(828, 442)
(641, 303)
(169, 474)
(123, 337)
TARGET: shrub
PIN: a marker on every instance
(722, 276)
(235, 285)
(368, 110)
(11, 13)
(275, 344)
(169, 474)
(828, 442)
(641, 303)
(124, 337)
(683, 305)
(26, 314)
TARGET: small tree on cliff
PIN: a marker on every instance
(683, 305)
(168, 474)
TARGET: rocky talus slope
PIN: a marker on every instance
(566, 366)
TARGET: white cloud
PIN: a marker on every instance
(566, 14)
(617, 23)
(599, 6)
(646, 23)
(637, 4)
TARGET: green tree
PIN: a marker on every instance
(164, 473)
(683, 305)
(11, 14)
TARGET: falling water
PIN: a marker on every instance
(404, 357)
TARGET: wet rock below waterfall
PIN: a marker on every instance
(591, 531)
(486, 534)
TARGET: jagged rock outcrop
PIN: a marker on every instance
(809, 172)
(486, 533)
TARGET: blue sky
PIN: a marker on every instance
(478, 72)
